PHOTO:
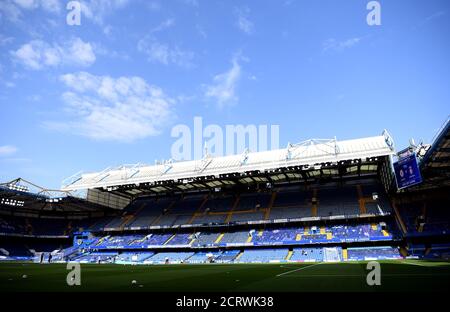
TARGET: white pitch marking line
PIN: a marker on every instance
(418, 264)
(299, 269)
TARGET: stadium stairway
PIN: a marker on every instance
(238, 256)
(205, 200)
(94, 225)
(344, 254)
(364, 200)
(230, 214)
(68, 229)
(289, 255)
(424, 211)
(403, 251)
(219, 238)
(140, 240)
(269, 207)
(368, 200)
(28, 227)
(125, 220)
(314, 203)
(399, 218)
(156, 221)
(424, 214)
(133, 216)
(361, 200)
(100, 241)
(167, 241)
(195, 215)
(198, 212)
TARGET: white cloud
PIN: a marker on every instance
(9, 11)
(53, 6)
(12, 9)
(163, 53)
(435, 15)
(243, 22)
(430, 18)
(338, 46)
(120, 109)
(164, 25)
(27, 4)
(4, 40)
(7, 150)
(104, 51)
(159, 52)
(98, 10)
(79, 52)
(38, 54)
(223, 89)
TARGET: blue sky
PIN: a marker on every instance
(109, 91)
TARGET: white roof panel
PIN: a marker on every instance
(306, 153)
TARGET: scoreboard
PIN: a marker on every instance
(407, 171)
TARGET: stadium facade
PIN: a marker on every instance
(319, 200)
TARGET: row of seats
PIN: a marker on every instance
(307, 255)
(23, 251)
(288, 202)
(292, 235)
(263, 255)
(434, 251)
(420, 220)
(43, 226)
(132, 257)
(333, 254)
(439, 251)
(373, 253)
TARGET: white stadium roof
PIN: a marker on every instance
(308, 153)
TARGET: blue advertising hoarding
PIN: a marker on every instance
(407, 172)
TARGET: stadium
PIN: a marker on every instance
(218, 154)
(304, 218)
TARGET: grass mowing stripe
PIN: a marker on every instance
(360, 275)
(422, 264)
(396, 276)
(299, 269)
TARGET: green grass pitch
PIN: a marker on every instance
(406, 275)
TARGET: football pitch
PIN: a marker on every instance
(405, 275)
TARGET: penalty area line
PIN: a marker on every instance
(299, 269)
